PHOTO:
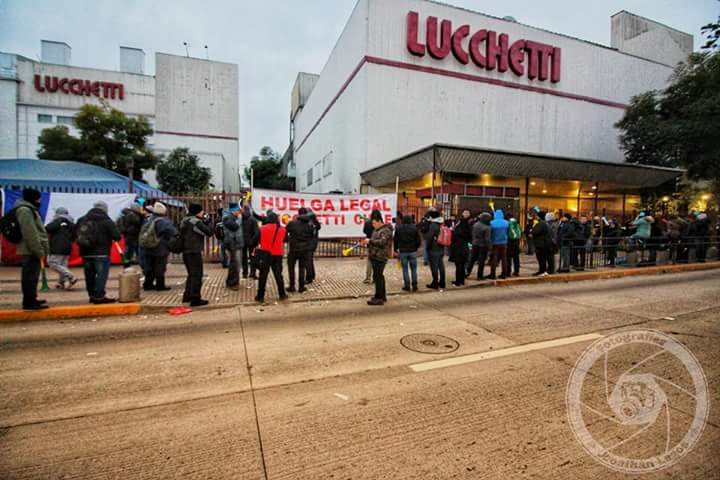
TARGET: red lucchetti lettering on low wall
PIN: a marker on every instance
(487, 49)
(80, 87)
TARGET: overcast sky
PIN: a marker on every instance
(272, 40)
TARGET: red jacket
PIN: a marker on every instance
(267, 232)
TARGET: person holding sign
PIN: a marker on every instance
(378, 246)
(300, 235)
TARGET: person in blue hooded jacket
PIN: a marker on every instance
(499, 237)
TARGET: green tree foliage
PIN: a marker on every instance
(58, 141)
(712, 33)
(108, 138)
(266, 168)
(181, 173)
(680, 125)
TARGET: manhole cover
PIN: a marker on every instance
(429, 343)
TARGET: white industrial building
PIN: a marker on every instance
(454, 101)
(190, 102)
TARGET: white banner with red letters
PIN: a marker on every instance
(339, 215)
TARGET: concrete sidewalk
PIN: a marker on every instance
(337, 278)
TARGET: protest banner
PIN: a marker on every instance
(339, 215)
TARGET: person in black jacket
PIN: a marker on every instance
(156, 257)
(583, 232)
(95, 234)
(459, 250)
(129, 225)
(407, 241)
(611, 238)
(251, 236)
(435, 251)
(62, 233)
(316, 241)
(566, 240)
(300, 235)
(543, 243)
(193, 230)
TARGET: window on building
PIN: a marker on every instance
(69, 121)
(43, 118)
(317, 175)
(327, 164)
(309, 177)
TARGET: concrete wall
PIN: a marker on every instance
(304, 85)
(649, 39)
(343, 130)
(219, 154)
(139, 89)
(8, 109)
(407, 109)
(196, 96)
(197, 107)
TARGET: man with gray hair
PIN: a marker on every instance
(95, 234)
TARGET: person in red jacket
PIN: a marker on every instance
(269, 255)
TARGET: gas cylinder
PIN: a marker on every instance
(129, 280)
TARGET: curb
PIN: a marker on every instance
(509, 282)
(118, 309)
(606, 274)
(75, 311)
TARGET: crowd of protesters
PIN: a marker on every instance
(253, 244)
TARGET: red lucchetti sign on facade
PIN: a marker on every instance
(76, 86)
(486, 48)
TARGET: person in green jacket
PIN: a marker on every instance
(514, 234)
(33, 247)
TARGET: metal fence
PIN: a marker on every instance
(632, 252)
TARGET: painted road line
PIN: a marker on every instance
(476, 357)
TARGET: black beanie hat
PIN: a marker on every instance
(195, 208)
(31, 195)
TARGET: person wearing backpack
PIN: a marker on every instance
(129, 224)
(499, 235)
(514, 234)
(155, 236)
(219, 236)
(32, 245)
(95, 234)
(62, 233)
(435, 250)
(193, 230)
(234, 242)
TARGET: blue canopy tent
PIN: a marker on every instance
(68, 177)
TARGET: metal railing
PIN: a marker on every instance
(635, 252)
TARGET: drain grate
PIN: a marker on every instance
(429, 343)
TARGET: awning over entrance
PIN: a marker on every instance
(469, 160)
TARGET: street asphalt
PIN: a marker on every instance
(327, 389)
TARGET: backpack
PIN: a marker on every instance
(86, 234)
(219, 231)
(148, 235)
(176, 244)
(445, 237)
(10, 228)
(514, 232)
